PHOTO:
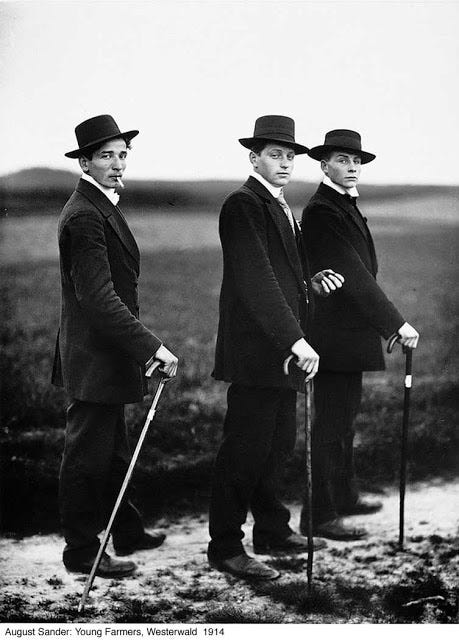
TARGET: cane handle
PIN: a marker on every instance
(287, 363)
(155, 364)
(392, 340)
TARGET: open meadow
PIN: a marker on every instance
(179, 288)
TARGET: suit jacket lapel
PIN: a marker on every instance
(113, 215)
(369, 238)
(346, 206)
(354, 215)
(302, 252)
(283, 227)
(119, 221)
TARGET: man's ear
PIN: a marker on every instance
(83, 164)
(253, 157)
(324, 166)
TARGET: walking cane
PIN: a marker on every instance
(308, 428)
(308, 431)
(126, 480)
(404, 448)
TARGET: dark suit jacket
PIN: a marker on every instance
(264, 305)
(102, 346)
(348, 324)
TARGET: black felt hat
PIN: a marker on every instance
(97, 130)
(274, 129)
(343, 139)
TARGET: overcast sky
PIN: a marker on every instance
(194, 75)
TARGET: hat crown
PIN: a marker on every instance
(95, 128)
(345, 138)
(280, 129)
(341, 139)
(275, 127)
(98, 130)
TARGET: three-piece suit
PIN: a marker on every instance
(265, 307)
(100, 354)
(346, 332)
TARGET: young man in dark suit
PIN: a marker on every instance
(265, 310)
(101, 353)
(346, 331)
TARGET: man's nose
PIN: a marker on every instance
(285, 161)
(118, 163)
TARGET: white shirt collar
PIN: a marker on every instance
(107, 191)
(274, 191)
(352, 191)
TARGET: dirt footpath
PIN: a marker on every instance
(365, 581)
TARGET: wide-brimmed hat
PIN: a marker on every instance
(274, 129)
(97, 130)
(343, 139)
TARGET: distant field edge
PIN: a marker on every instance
(41, 190)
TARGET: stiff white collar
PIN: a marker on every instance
(274, 191)
(352, 191)
(107, 191)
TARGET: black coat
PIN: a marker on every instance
(264, 306)
(348, 325)
(102, 346)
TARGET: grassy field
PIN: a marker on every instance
(179, 290)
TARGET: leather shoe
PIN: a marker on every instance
(336, 530)
(148, 541)
(244, 566)
(108, 567)
(294, 543)
(363, 506)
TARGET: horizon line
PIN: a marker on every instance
(227, 179)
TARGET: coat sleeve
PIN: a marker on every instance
(245, 248)
(92, 281)
(328, 247)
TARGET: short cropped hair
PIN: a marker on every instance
(258, 146)
(90, 151)
(327, 155)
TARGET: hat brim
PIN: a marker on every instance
(298, 148)
(317, 153)
(126, 134)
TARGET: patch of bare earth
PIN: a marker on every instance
(366, 581)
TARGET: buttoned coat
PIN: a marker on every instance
(101, 346)
(348, 325)
(264, 299)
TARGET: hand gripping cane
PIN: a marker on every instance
(126, 480)
(308, 431)
(406, 416)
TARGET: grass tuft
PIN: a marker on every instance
(408, 599)
(294, 593)
(232, 614)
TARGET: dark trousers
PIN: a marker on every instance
(95, 460)
(259, 432)
(337, 397)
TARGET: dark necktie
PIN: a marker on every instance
(352, 199)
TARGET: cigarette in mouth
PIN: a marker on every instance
(120, 182)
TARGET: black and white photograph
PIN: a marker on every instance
(229, 374)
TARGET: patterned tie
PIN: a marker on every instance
(283, 203)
